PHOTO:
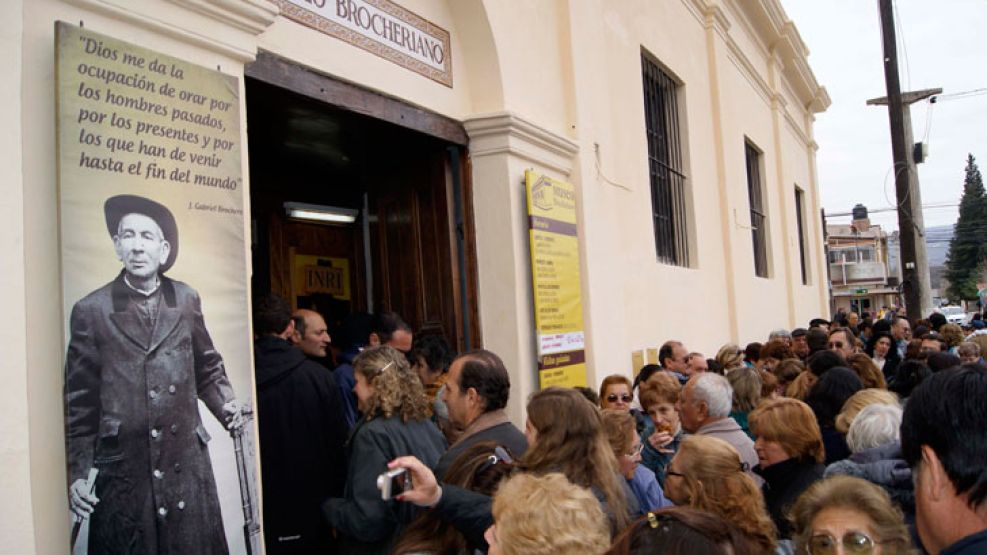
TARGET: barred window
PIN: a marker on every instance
(668, 204)
(759, 220)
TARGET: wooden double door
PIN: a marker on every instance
(420, 246)
(320, 140)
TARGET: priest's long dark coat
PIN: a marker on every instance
(131, 395)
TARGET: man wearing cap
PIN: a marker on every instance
(138, 361)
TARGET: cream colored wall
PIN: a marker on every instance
(589, 89)
(798, 173)
(17, 526)
(630, 300)
(761, 303)
(531, 43)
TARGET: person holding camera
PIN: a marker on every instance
(395, 423)
(565, 435)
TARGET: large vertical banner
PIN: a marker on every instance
(554, 242)
(157, 364)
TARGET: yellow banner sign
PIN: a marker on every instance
(554, 242)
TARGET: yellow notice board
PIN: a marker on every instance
(554, 242)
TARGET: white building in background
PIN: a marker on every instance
(859, 271)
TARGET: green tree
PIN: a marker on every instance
(968, 248)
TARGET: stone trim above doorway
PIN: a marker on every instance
(252, 16)
(246, 18)
(509, 133)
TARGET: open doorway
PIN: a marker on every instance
(409, 246)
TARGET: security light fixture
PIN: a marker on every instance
(320, 213)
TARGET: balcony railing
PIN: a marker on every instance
(858, 272)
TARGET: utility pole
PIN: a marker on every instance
(914, 261)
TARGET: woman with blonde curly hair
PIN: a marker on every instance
(851, 512)
(708, 474)
(546, 515)
(395, 422)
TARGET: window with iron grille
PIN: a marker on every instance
(668, 180)
(759, 220)
(800, 224)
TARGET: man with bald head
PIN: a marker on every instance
(311, 334)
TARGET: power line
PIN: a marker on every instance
(904, 49)
(945, 98)
(959, 95)
(893, 209)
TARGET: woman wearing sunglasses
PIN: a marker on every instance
(845, 515)
(617, 393)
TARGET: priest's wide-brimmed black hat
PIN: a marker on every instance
(119, 206)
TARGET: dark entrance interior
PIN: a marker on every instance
(409, 248)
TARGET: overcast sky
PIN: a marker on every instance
(946, 46)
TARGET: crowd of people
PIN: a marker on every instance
(856, 435)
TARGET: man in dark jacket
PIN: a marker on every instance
(477, 389)
(944, 441)
(302, 432)
(139, 360)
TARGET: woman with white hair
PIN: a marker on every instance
(875, 445)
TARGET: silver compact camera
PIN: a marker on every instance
(393, 482)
